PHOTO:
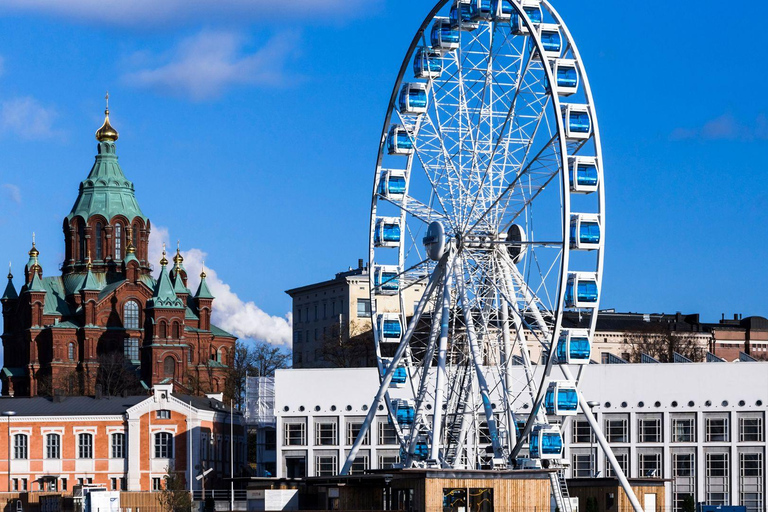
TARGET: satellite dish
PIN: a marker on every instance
(434, 241)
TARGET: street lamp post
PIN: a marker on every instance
(592, 454)
(8, 415)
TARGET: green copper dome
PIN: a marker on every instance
(106, 191)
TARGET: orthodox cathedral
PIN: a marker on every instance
(105, 317)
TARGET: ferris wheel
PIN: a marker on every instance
(488, 196)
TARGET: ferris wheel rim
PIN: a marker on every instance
(563, 151)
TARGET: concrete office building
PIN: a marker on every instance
(699, 425)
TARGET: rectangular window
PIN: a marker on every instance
(85, 446)
(353, 430)
(52, 446)
(157, 484)
(361, 464)
(363, 308)
(388, 461)
(298, 315)
(454, 500)
(163, 445)
(163, 414)
(63, 484)
(118, 445)
(649, 465)
(649, 429)
(295, 434)
(683, 430)
(683, 465)
(387, 433)
(20, 446)
(616, 430)
(717, 483)
(325, 434)
(717, 429)
(113, 483)
(623, 459)
(582, 432)
(15, 484)
(131, 349)
(751, 429)
(481, 500)
(325, 465)
(751, 474)
(582, 465)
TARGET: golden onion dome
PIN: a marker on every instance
(106, 132)
(178, 258)
(33, 252)
(164, 261)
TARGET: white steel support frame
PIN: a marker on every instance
(490, 154)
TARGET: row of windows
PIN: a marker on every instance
(683, 430)
(85, 446)
(327, 465)
(300, 336)
(100, 240)
(650, 464)
(332, 309)
(326, 434)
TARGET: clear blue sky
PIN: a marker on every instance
(251, 134)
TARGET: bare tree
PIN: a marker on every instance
(662, 345)
(349, 347)
(259, 359)
(115, 377)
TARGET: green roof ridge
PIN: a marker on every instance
(10, 290)
(203, 292)
(89, 283)
(36, 285)
(164, 296)
(106, 190)
(178, 283)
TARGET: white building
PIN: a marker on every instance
(700, 425)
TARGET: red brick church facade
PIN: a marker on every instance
(59, 332)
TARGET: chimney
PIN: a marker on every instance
(360, 263)
(735, 316)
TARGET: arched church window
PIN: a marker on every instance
(118, 241)
(99, 242)
(176, 330)
(131, 315)
(135, 234)
(163, 330)
(169, 366)
(81, 241)
(71, 351)
(189, 353)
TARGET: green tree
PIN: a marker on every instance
(689, 504)
(174, 497)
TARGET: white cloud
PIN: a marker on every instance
(230, 312)
(12, 192)
(27, 118)
(203, 66)
(144, 13)
(725, 127)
